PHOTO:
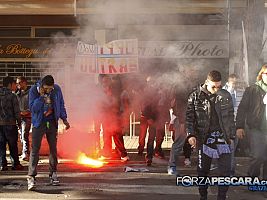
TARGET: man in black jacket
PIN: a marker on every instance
(148, 121)
(9, 122)
(210, 126)
(252, 111)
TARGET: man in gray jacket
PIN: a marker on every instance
(23, 97)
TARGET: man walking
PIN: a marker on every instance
(47, 106)
(252, 111)
(210, 127)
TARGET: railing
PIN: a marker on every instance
(133, 123)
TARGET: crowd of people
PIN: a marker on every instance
(207, 117)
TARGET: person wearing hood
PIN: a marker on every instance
(47, 106)
(23, 97)
(252, 112)
(210, 127)
(10, 120)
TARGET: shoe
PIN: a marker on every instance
(17, 167)
(148, 162)
(172, 171)
(159, 155)
(125, 159)
(3, 168)
(187, 162)
(54, 179)
(31, 183)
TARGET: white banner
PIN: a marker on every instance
(86, 58)
(116, 57)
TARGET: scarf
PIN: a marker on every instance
(215, 145)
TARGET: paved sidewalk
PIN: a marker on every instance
(111, 182)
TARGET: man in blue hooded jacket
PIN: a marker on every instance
(47, 106)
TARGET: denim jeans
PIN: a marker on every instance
(258, 146)
(24, 135)
(9, 135)
(177, 146)
(51, 136)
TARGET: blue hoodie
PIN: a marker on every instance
(37, 105)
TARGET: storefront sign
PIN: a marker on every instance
(183, 49)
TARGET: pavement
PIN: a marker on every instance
(112, 182)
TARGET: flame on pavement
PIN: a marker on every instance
(84, 160)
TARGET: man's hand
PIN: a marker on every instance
(66, 124)
(240, 133)
(193, 142)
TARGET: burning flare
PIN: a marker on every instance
(84, 160)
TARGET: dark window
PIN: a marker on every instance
(15, 32)
(48, 32)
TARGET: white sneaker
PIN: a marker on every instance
(125, 159)
(187, 162)
(31, 183)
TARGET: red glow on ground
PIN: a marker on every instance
(84, 160)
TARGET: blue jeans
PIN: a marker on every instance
(24, 135)
(9, 134)
(177, 146)
(37, 136)
(258, 146)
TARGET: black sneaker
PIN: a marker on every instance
(54, 179)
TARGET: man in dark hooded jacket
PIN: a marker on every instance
(9, 122)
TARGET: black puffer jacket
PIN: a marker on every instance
(9, 108)
(199, 112)
(251, 108)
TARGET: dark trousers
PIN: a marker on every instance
(24, 135)
(203, 169)
(258, 145)
(160, 133)
(117, 136)
(151, 137)
(9, 135)
(51, 136)
(187, 149)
